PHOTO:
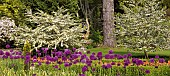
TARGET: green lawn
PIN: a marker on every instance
(125, 51)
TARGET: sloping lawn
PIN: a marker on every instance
(125, 51)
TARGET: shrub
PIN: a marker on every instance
(143, 26)
(6, 27)
(57, 30)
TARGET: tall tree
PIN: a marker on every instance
(108, 24)
(143, 26)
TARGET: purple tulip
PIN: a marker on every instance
(99, 55)
(1, 52)
(55, 58)
(104, 66)
(93, 53)
(112, 56)
(118, 64)
(32, 64)
(47, 62)
(127, 61)
(53, 53)
(26, 61)
(27, 57)
(7, 54)
(34, 75)
(66, 64)
(34, 57)
(110, 51)
(11, 50)
(55, 50)
(39, 63)
(56, 66)
(126, 64)
(107, 56)
(152, 60)
(83, 56)
(113, 63)
(82, 75)
(7, 46)
(88, 64)
(119, 57)
(59, 54)
(85, 68)
(157, 56)
(161, 60)
(139, 62)
(67, 52)
(134, 60)
(147, 71)
(64, 58)
(34, 60)
(74, 56)
(42, 49)
(20, 53)
(108, 66)
(88, 52)
(93, 69)
(11, 57)
(83, 61)
(92, 57)
(22, 57)
(39, 54)
(129, 54)
(74, 49)
(75, 61)
(80, 53)
(45, 50)
(125, 56)
(37, 51)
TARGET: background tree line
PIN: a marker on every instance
(90, 11)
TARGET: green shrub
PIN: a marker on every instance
(57, 30)
(143, 26)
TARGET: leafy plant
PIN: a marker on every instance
(13, 9)
(143, 26)
(57, 30)
(6, 27)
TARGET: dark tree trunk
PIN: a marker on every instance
(108, 23)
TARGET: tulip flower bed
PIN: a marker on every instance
(74, 63)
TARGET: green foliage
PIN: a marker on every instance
(143, 26)
(75, 70)
(13, 9)
(27, 47)
(167, 3)
(97, 37)
(49, 6)
(93, 8)
(16, 9)
(57, 30)
(6, 27)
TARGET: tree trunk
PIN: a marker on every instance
(108, 23)
(146, 54)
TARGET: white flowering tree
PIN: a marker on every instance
(143, 26)
(6, 27)
(57, 30)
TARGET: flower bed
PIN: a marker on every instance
(73, 63)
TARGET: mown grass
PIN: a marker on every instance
(122, 50)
